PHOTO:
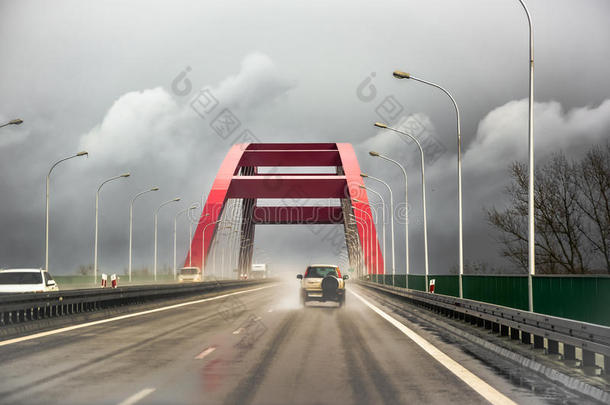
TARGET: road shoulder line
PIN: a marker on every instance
(477, 384)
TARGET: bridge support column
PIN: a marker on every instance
(553, 347)
(526, 338)
(569, 352)
(588, 359)
(538, 342)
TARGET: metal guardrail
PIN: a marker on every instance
(591, 338)
(20, 308)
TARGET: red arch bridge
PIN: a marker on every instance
(253, 172)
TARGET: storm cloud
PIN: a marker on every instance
(102, 77)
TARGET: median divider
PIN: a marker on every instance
(18, 309)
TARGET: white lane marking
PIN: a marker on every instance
(138, 396)
(480, 386)
(205, 352)
(118, 318)
(238, 331)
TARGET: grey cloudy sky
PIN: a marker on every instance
(98, 76)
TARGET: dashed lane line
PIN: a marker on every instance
(138, 396)
(205, 352)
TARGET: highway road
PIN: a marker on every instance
(253, 347)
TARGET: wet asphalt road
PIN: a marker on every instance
(258, 347)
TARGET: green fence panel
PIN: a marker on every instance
(446, 284)
(509, 291)
(583, 298)
(417, 282)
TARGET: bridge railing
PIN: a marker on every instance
(529, 327)
(21, 309)
(583, 298)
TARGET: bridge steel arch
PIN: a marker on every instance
(245, 175)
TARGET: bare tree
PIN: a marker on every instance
(594, 200)
(565, 214)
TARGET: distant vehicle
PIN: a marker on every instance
(26, 281)
(258, 271)
(322, 282)
(189, 274)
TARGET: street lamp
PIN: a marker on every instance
(131, 225)
(383, 221)
(156, 221)
(371, 223)
(46, 249)
(231, 249)
(228, 231)
(423, 191)
(404, 172)
(97, 202)
(352, 246)
(203, 245)
(16, 121)
(364, 235)
(366, 176)
(243, 245)
(402, 75)
(192, 207)
(531, 242)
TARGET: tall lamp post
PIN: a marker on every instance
(97, 203)
(366, 176)
(203, 245)
(531, 241)
(404, 172)
(16, 121)
(366, 264)
(382, 223)
(156, 221)
(369, 218)
(423, 191)
(192, 207)
(402, 75)
(46, 248)
(131, 225)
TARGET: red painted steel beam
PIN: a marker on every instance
(305, 157)
(289, 187)
(294, 174)
(351, 169)
(296, 186)
(297, 215)
(292, 146)
(214, 205)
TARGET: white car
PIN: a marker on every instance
(189, 274)
(26, 280)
